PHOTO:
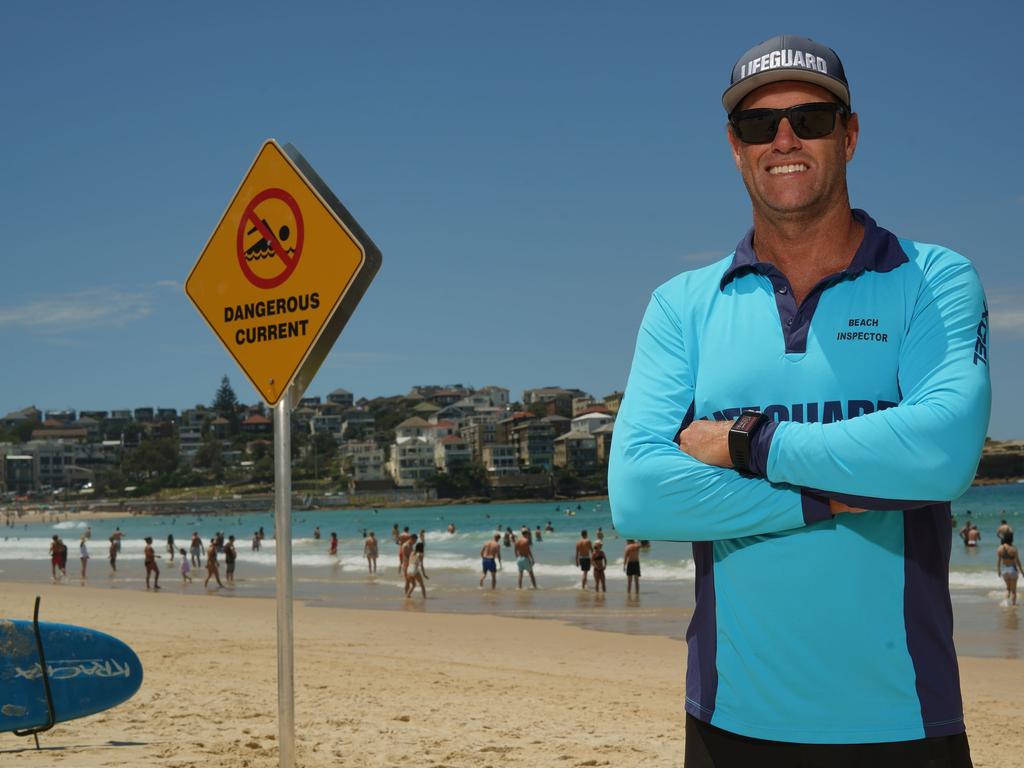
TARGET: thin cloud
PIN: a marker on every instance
(1010, 321)
(1006, 316)
(702, 257)
(88, 308)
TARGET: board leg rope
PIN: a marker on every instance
(34, 732)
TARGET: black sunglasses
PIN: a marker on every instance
(809, 121)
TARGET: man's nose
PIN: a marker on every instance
(786, 139)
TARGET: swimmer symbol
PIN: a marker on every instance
(261, 249)
(270, 261)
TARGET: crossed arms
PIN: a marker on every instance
(927, 447)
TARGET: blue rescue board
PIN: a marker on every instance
(88, 671)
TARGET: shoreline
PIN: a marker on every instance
(983, 627)
(59, 510)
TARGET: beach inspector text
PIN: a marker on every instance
(286, 307)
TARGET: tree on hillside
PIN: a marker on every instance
(225, 401)
(209, 457)
(462, 481)
(19, 433)
(320, 450)
(156, 458)
(225, 404)
(538, 409)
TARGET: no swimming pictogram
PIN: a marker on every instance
(278, 318)
(269, 240)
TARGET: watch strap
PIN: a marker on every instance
(741, 436)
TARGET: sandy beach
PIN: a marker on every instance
(384, 688)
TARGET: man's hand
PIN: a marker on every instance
(707, 441)
(837, 507)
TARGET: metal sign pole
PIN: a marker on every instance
(283, 545)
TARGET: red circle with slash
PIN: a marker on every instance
(250, 220)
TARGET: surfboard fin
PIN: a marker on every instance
(34, 732)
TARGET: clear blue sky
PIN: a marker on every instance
(530, 171)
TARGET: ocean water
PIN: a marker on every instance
(453, 562)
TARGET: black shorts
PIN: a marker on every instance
(633, 568)
(584, 564)
(710, 747)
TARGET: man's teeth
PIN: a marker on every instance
(795, 168)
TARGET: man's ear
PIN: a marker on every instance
(734, 145)
(852, 135)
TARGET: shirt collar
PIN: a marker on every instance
(879, 251)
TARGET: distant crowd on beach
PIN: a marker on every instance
(198, 554)
(589, 556)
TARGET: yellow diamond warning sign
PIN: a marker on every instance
(282, 273)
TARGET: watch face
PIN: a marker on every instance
(745, 422)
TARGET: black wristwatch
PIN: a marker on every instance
(740, 437)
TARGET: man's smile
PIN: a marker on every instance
(791, 168)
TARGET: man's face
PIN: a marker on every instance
(790, 176)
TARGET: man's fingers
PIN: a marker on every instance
(837, 507)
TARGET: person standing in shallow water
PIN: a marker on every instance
(230, 555)
(212, 568)
(599, 560)
(416, 572)
(1008, 566)
(370, 552)
(186, 567)
(196, 549)
(112, 554)
(152, 569)
(584, 547)
(55, 557)
(83, 554)
(490, 559)
(631, 564)
(524, 558)
(1003, 529)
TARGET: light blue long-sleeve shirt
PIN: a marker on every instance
(809, 627)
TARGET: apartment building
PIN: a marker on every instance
(577, 451)
(364, 461)
(451, 452)
(534, 443)
(591, 422)
(556, 399)
(412, 461)
(342, 398)
(500, 460)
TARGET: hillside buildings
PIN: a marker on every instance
(398, 442)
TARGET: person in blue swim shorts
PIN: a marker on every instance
(490, 559)
(524, 557)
